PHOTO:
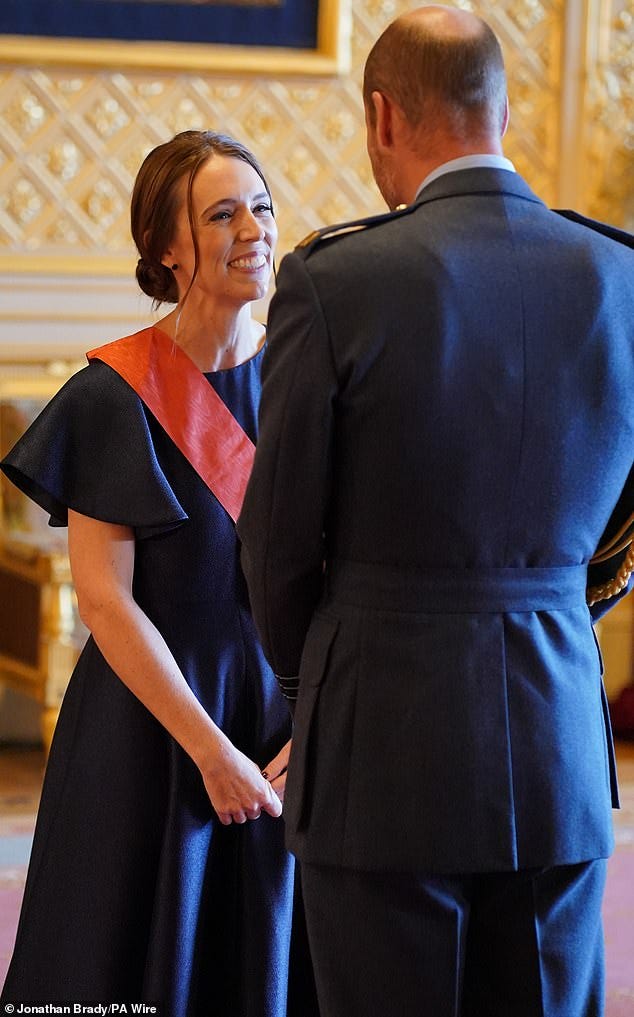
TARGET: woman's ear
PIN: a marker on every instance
(169, 259)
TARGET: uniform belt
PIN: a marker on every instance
(456, 590)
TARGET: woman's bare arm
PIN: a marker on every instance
(102, 563)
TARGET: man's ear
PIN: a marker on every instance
(505, 118)
(383, 116)
(391, 128)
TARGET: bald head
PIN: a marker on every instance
(444, 69)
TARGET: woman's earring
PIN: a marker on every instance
(174, 267)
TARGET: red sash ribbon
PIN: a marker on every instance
(188, 409)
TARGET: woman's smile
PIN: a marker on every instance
(250, 262)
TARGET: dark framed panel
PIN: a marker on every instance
(259, 36)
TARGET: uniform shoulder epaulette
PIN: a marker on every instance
(613, 232)
(343, 229)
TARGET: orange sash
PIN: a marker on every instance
(187, 408)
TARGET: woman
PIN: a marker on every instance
(158, 872)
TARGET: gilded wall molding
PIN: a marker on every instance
(608, 123)
(72, 136)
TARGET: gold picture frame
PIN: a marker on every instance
(41, 634)
(25, 388)
(330, 57)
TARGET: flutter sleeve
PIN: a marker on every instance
(91, 450)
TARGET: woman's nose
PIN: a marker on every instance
(251, 227)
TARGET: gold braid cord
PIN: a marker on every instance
(615, 585)
(617, 543)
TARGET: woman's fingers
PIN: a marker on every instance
(279, 786)
(279, 764)
(266, 801)
(275, 772)
(272, 805)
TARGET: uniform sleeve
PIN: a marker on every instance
(610, 573)
(283, 517)
(91, 450)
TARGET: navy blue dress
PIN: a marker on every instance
(135, 891)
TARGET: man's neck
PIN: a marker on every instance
(416, 167)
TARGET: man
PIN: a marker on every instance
(446, 437)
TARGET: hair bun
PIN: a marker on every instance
(157, 281)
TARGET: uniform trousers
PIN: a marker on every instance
(510, 944)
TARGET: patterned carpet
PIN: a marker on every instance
(618, 907)
(17, 818)
(18, 805)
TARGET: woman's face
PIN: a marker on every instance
(235, 229)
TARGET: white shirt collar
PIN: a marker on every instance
(467, 162)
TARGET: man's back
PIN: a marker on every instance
(446, 435)
(465, 378)
(486, 354)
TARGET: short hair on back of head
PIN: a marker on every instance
(423, 72)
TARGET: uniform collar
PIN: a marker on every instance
(467, 162)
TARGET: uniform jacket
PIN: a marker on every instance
(446, 436)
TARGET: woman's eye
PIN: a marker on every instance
(219, 216)
(263, 208)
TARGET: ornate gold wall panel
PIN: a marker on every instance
(608, 136)
(71, 140)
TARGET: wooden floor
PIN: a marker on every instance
(21, 772)
(21, 769)
(625, 760)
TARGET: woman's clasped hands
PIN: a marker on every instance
(239, 790)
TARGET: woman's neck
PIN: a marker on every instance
(213, 339)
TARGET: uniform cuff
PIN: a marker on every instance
(289, 687)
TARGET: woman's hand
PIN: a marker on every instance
(236, 788)
(275, 771)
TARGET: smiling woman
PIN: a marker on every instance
(206, 244)
(158, 870)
